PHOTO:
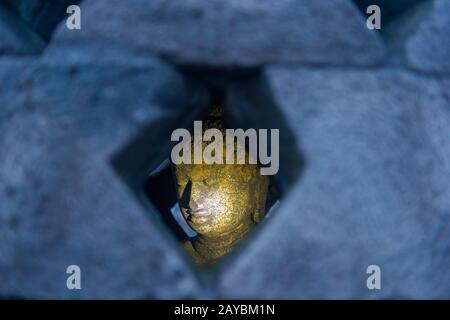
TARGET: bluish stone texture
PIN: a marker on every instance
(428, 48)
(62, 199)
(222, 33)
(16, 38)
(365, 148)
(374, 190)
(42, 16)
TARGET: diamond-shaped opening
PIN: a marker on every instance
(247, 103)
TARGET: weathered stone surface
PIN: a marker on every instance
(390, 10)
(16, 37)
(371, 148)
(221, 33)
(41, 15)
(374, 190)
(428, 48)
(63, 200)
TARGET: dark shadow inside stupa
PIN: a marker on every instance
(247, 103)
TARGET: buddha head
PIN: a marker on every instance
(221, 202)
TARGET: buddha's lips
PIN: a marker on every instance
(200, 213)
(197, 217)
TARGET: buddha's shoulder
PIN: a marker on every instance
(198, 259)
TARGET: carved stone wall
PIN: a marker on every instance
(369, 113)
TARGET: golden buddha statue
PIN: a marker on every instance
(221, 202)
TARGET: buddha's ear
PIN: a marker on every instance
(261, 195)
(257, 215)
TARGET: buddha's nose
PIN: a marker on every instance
(198, 208)
(194, 205)
(196, 199)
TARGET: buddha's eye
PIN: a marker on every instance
(182, 183)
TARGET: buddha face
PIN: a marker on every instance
(217, 200)
(221, 202)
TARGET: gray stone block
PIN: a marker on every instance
(221, 33)
(428, 47)
(64, 196)
(16, 37)
(374, 190)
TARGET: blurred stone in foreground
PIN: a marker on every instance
(374, 190)
(428, 48)
(64, 201)
(221, 33)
(16, 38)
